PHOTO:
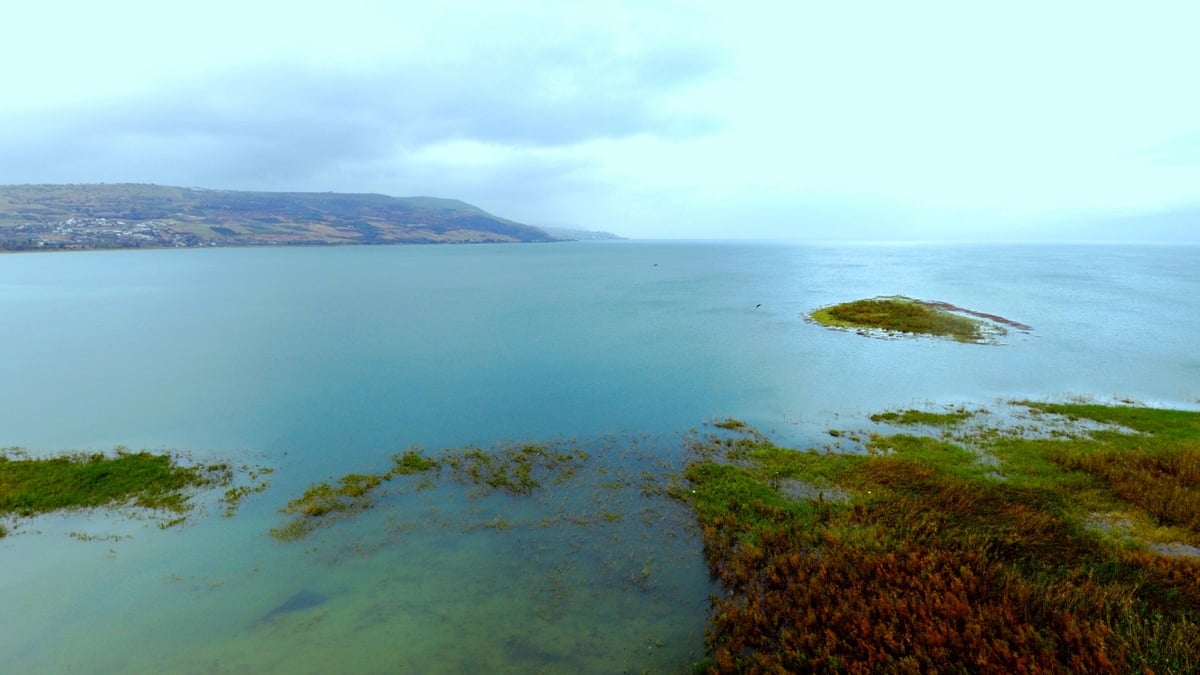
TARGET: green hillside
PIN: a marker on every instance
(154, 216)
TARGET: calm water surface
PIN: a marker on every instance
(324, 361)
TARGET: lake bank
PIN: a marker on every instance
(990, 550)
(1032, 498)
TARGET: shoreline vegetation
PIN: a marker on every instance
(1040, 537)
(1050, 538)
(894, 315)
(158, 485)
(1069, 542)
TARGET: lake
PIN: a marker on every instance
(318, 362)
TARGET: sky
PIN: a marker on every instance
(849, 120)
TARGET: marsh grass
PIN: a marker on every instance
(517, 469)
(235, 495)
(327, 501)
(913, 416)
(941, 562)
(412, 461)
(154, 482)
(899, 314)
(730, 424)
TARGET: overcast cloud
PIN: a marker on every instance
(874, 120)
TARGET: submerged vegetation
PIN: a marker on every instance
(153, 482)
(517, 469)
(573, 536)
(990, 552)
(1067, 542)
(1066, 538)
(934, 419)
(903, 315)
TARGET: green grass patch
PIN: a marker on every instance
(928, 451)
(412, 461)
(322, 502)
(979, 555)
(1179, 425)
(899, 314)
(157, 482)
(912, 416)
(730, 424)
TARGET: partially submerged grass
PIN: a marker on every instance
(900, 314)
(925, 417)
(1169, 424)
(730, 424)
(236, 494)
(940, 558)
(155, 482)
(412, 461)
(517, 469)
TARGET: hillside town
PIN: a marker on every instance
(93, 233)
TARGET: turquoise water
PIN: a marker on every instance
(323, 361)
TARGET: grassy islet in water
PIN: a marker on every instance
(150, 481)
(899, 314)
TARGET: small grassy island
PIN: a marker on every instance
(898, 314)
(144, 480)
(1067, 543)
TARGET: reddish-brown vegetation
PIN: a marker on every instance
(932, 571)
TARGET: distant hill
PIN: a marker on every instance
(574, 234)
(135, 215)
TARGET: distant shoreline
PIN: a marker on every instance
(333, 244)
(124, 216)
